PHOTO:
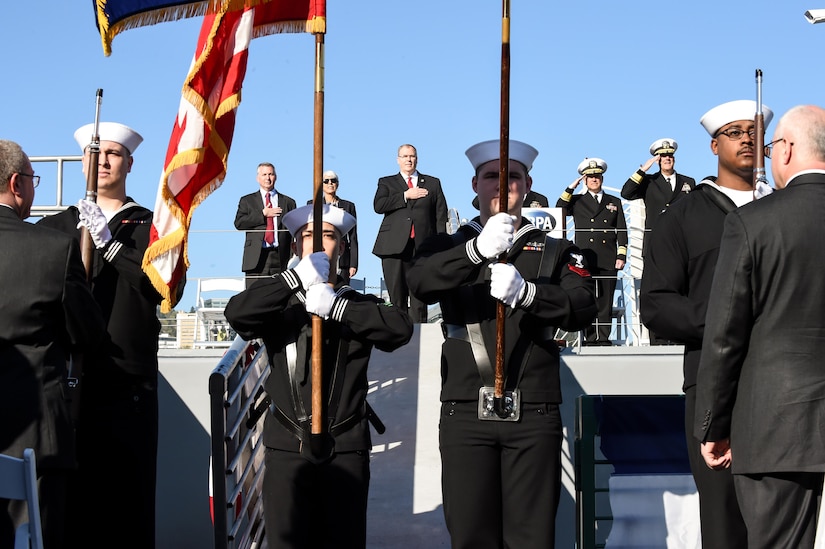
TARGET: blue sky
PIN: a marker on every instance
(589, 78)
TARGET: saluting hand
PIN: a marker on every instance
(646, 166)
(576, 182)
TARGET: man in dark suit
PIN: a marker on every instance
(414, 208)
(759, 401)
(601, 233)
(348, 260)
(267, 246)
(681, 256)
(661, 189)
(48, 312)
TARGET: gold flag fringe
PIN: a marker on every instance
(178, 239)
(194, 9)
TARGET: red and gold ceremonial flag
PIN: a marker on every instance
(115, 16)
(198, 150)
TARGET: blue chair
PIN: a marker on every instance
(18, 480)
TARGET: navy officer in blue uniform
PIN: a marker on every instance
(661, 189)
(601, 233)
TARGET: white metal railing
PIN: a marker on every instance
(215, 332)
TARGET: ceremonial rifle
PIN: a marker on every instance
(759, 137)
(87, 245)
(503, 185)
(87, 253)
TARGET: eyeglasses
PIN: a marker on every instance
(331, 181)
(35, 178)
(769, 147)
(735, 134)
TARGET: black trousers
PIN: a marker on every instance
(308, 506)
(721, 521)
(112, 496)
(780, 509)
(605, 288)
(395, 277)
(501, 481)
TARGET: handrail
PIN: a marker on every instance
(237, 451)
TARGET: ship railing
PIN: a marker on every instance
(237, 408)
(51, 170)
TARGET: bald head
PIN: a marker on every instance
(799, 143)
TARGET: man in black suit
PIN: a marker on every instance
(348, 260)
(759, 401)
(267, 246)
(661, 189)
(414, 208)
(48, 312)
(681, 257)
(601, 233)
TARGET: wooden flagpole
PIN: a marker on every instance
(317, 426)
(503, 186)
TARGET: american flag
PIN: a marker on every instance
(196, 158)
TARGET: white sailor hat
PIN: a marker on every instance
(742, 109)
(664, 146)
(484, 152)
(299, 217)
(109, 131)
(592, 166)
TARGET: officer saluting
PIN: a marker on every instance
(601, 233)
(501, 478)
(661, 189)
(316, 500)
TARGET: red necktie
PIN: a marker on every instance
(412, 228)
(269, 236)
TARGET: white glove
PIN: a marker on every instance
(313, 269)
(762, 190)
(506, 284)
(497, 236)
(91, 217)
(319, 300)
